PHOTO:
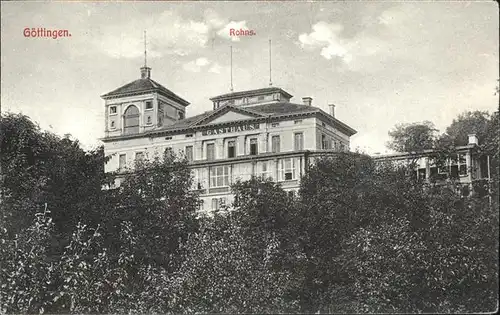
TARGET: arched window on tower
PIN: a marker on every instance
(131, 120)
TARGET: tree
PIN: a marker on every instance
(329, 210)
(40, 168)
(447, 265)
(26, 270)
(376, 240)
(471, 122)
(157, 199)
(241, 260)
(412, 137)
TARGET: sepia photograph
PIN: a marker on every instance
(249, 157)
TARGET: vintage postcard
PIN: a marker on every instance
(249, 157)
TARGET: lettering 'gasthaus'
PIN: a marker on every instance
(241, 32)
(210, 132)
(42, 32)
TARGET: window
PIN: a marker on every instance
(275, 124)
(421, 173)
(260, 98)
(298, 121)
(275, 141)
(189, 153)
(323, 124)
(112, 125)
(298, 141)
(131, 120)
(462, 165)
(181, 115)
(168, 138)
(122, 161)
(139, 156)
(219, 176)
(324, 143)
(231, 148)
(149, 105)
(287, 169)
(265, 169)
(211, 151)
(112, 110)
(217, 203)
(189, 135)
(253, 146)
(149, 120)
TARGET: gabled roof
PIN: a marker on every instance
(225, 109)
(142, 86)
(272, 110)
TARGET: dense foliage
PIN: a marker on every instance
(412, 137)
(358, 237)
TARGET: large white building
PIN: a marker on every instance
(250, 133)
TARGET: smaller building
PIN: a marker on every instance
(464, 167)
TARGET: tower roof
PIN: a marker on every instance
(143, 86)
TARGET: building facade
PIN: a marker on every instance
(464, 167)
(250, 133)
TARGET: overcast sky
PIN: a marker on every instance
(381, 63)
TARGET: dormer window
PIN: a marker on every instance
(112, 110)
(149, 105)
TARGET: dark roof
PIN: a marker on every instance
(266, 90)
(141, 86)
(283, 108)
(270, 110)
(184, 123)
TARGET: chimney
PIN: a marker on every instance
(332, 109)
(473, 139)
(307, 100)
(145, 72)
